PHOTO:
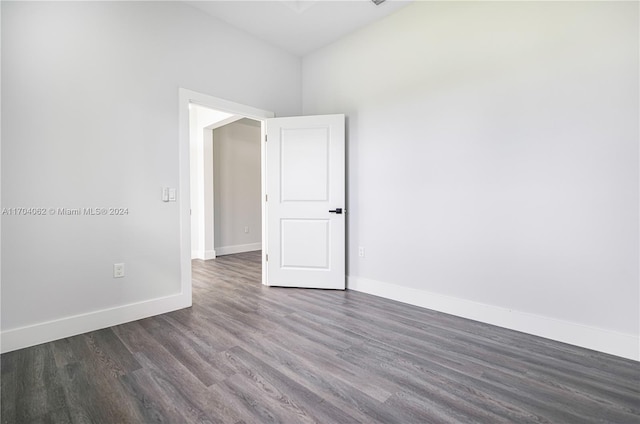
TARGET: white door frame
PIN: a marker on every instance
(185, 97)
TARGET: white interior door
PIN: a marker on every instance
(305, 185)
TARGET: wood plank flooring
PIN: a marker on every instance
(245, 353)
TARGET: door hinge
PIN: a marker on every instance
(266, 197)
(265, 138)
(267, 257)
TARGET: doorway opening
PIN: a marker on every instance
(221, 206)
(225, 183)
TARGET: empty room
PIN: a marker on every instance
(320, 211)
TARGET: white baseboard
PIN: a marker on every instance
(239, 248)
(204, 255)
(32, 335)
(602, 340)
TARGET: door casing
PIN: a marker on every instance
(187, 97)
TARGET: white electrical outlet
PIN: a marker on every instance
(361, 252)
(118, 270)
(246, 229)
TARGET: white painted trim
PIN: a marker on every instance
(204, 255)
(184, 165)
(599, 339)
(44, 332)
(239, 248)
(229, 120)
(263, 199)
(226, 105)
(0, 174)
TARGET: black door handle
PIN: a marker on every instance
(337, 211)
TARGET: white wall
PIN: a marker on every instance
(237, 179)
(493, 162)
(103, 79)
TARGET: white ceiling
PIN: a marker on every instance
(299, 26)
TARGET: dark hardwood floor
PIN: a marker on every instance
(245, 353)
